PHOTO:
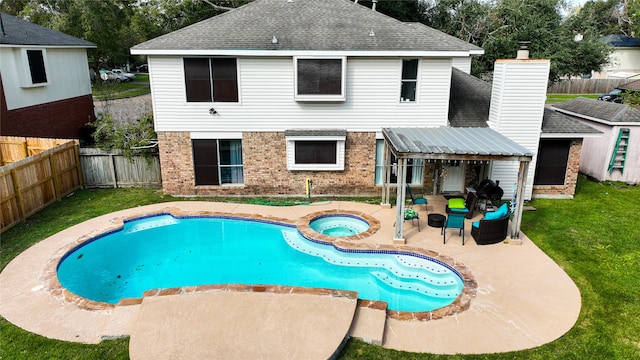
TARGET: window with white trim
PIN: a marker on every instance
(409, 81)
(315, 150)
(217, 161)
(35, 67)
(320, 79)
(415, 168)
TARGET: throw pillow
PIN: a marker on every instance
(456, 203)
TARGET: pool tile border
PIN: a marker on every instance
(346, 244)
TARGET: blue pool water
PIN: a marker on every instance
(339, 225)
(164, 252)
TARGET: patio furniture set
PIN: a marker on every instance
(490, 229)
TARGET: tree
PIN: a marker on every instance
(540, 22)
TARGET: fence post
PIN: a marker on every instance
(113, 170)
(19, 200)
(76, 152)
(54, 175)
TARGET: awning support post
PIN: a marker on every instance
(398, 236)
(520, 191)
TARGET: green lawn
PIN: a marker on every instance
(556, 98)
(113, 90)
(594, 237)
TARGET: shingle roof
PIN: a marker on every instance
(600, 110)
(620, 40)
(306, 25)
(22, 32)
(470, 100)
(633, 85)
(554, 122)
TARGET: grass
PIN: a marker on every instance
(594, 237)
(556, 98)
(113, 90)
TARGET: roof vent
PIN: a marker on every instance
(523, 50)
(373, 4)
(274, 40)
(371, 33)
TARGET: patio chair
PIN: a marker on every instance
(467, 206)
(419, 200)
(455, 220)
(410, 214)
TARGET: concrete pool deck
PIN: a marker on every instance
(523, 300)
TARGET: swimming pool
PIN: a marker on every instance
(163, 251)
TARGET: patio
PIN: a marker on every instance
(523, 299)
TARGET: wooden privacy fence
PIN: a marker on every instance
(32, 183)
(585, 86)
(113, 169)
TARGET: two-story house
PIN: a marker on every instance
(261, 98)
(45, 89)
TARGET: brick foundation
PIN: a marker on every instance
(61, 119)
(265, 168)
(570, 178)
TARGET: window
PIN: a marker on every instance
(414, 168)
(34, 62)
(320, 79)
(211, 79)
(217, 162)
(315, 149)
(409, 80)
(551, 165)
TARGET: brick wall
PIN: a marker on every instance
(265, 168)
(570, 178)
(61, 119)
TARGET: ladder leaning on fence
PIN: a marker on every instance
(620, 151)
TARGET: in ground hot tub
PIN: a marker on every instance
(339, 225)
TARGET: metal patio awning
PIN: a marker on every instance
(449, 143)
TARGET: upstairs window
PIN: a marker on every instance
(211, 79)
(409, 80)
(35, 67)
(320, 79)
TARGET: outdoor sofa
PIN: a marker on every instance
(492, 228)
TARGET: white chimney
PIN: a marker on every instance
(518, 97)
(523, 50)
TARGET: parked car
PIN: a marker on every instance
(128, 75)
(613, 96)
(107, 75)
(142, 68)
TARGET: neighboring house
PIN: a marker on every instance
(624, 60)
(265, 96)
(45, 90)
(615, 155)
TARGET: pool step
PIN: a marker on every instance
(369, 322)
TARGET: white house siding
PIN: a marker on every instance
(624, 60)
(517, 106)
(597, 152)
(67, 76)
(462, 64)
(266, 88)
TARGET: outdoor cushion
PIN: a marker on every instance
(494, 215)
(503, 209)
(500, 213)
(456, 203)
(475, 224)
